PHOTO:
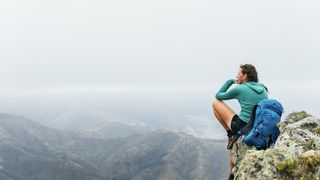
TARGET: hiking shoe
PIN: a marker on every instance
(231, 141)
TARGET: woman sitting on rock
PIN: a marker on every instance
(248, 92)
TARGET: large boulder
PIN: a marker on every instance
(295, 155)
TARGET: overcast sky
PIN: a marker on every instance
(158, 46)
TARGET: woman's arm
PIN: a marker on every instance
(223, 94)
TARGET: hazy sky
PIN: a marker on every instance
(159, 46)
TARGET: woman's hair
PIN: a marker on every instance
(251, 72)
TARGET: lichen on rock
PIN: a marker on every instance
(295, 155)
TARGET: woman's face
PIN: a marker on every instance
(241, 77)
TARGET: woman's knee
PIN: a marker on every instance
(216, 103)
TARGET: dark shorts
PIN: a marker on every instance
(237, 123)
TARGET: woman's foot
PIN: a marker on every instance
(231, 177)
(232, 140)
(231, 136)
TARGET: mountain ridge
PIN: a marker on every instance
(29, 150)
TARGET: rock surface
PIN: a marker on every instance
(295, 155)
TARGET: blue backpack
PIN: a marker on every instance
(262, 130)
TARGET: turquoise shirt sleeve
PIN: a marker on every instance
(223, 94)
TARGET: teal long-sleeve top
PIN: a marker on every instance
(248, 94)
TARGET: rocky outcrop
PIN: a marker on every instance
(295, 155)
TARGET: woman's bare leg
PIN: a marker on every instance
(223, 113)
(231, 163)
(220, 120)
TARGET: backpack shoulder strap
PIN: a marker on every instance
(249, 125)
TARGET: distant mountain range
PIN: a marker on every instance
(31, 151)
(107, 115)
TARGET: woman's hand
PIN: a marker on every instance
(233, 81)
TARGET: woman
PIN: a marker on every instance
(248, 92)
